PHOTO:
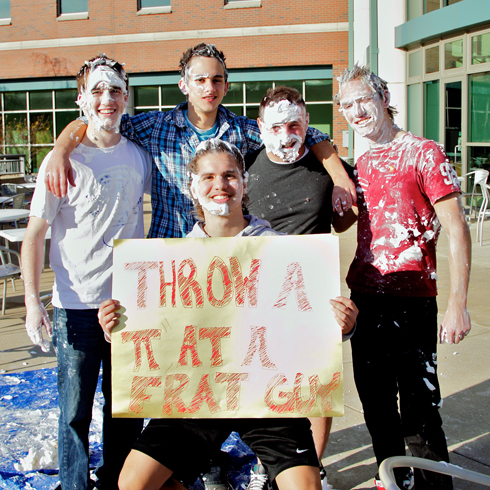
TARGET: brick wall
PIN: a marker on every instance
(36, 20)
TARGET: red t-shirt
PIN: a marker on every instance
(397, 186)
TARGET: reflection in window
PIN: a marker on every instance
(4, 9)
(453, 54)
(479, 110)
(432, 60)
(72, 6)
(480, 49)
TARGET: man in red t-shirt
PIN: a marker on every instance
(406, 190)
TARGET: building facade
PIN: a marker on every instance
(303, 44)
(436, 56)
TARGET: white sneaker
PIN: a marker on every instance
(259, 479)
(323, 479)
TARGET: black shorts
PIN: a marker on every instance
(185, 446)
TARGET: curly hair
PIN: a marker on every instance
(205, 50)
(214, 146)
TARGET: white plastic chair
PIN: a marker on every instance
(480, 177)
(8, 270)
(485, 188)
(388, 477)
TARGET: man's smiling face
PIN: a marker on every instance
(364, 109)
(283, 130)
(204, 84)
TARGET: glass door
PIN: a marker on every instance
(453, 122)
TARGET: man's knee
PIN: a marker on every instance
(304, 477)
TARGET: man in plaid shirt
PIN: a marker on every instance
(172, 138)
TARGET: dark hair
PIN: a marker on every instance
(280, 93)
(101, 60)
(214, 146)
(205, 50)
(358, 72)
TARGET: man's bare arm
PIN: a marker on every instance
(344, 192)
(58, 170)
(32, 258)
(456, 323)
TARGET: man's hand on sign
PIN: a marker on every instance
(108, 316)
(345, 312)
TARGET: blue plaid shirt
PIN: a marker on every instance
(172, 144)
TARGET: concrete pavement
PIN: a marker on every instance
(464, 372)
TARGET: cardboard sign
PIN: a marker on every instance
(227, 327)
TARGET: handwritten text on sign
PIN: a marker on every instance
(227, 327)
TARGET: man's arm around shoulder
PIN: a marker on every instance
(59, 172)
(456, 323)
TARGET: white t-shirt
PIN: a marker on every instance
(106, 203)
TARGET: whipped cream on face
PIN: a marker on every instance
(102, 77)
(285, 146)
(218, 209)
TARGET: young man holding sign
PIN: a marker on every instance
(218, 188)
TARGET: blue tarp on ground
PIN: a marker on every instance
(29, 420)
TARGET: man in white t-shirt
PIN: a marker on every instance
(107, 203)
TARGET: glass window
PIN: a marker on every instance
(171, 95)
(146, 96)
(153, 3)
(15, 101)
(479, 108)
(414, 9)
(414, 108)
(431, 5)
(235, 93)
(431, 110)
(432, 60)
(321, 117)
(16, 129)
(478, 157)
(256, 91)
(317, 90)
(73, 6)
(66, 99)
(42, 99)
(414, 64)
(37, 156)
(450, 2)
(4, 9)
(453, 54)
(297, 84)
(480, 49)
(63, 119)
(41, 128)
